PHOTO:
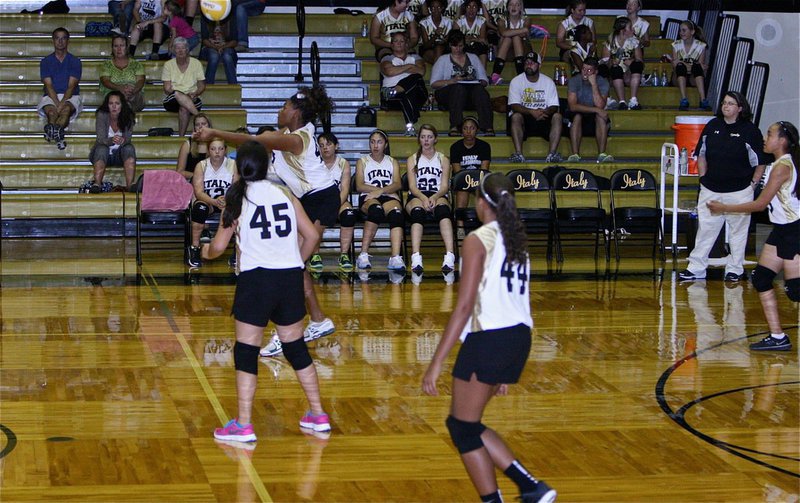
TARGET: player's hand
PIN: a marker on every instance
(430, 378)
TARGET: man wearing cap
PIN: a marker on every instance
(533, 109)
(587, 95)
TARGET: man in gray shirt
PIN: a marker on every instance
(587, 97)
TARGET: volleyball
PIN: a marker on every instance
(215, 10)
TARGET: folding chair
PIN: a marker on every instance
(466, 180)
(162, 202)
(535, 206)
(579, 209)
(635, 210)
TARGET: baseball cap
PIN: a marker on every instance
(533, 56)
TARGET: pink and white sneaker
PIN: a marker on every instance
(496, 79)
(317, 423)
(236, 432)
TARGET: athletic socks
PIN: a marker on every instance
(520, 476)
(778, 337)
(519, 64)
(132, 50)
(499, 64)
(495, 497)
(156, 47)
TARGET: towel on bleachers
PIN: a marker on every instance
(165, 190)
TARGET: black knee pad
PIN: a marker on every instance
(617, 73)
(375, 214)
(466, 436)
(347, 218)
(792, 289)
(637, 67)
(602, 70)
(245, 357)
(519, 64)
(441, 212)
(680, 70)
(417, 215)
(697, 70)
(762, 278)
(200, 212)
(296, 353)
(395, 218)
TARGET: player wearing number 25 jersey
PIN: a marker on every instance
(493, 318)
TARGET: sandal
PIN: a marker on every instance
(454, 132)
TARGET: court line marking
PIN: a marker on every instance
(245, 461)
(679, 418)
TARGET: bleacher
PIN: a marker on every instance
(41, 182)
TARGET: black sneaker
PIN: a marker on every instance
(94, 189)
(205, 236)
(688, 275)
(770, 343)
(542, 494)
(193, 260)
(733, 277)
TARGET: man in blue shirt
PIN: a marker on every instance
(60, 73)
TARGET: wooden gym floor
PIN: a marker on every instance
(637, 389)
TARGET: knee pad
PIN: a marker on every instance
(347, 218)
(762, 278)
(375, 214)
(519, 64)
(441, 212)
(680, 70)
(395, 218)
(245, 357)
(200, 212)
(296, 353)
(697, 70)
(617, 73)
(637, 67)
(792, 289)
(417, 215)
(466, 436)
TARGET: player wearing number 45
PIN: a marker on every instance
(274, 237)
(212, 178)
(493, 319)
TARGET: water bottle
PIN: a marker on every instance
(490, 56)
(364, 28)
(557, 75)
(684, 162)
(563, 76)
(664, 81)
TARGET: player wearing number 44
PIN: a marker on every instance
(493, 319)
(212, 178)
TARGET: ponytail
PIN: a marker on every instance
(498, 192)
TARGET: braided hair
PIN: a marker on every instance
(498, 191)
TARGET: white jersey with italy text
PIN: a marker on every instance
(390, 24)
(429, 172)
(217, 181)
(379, 174)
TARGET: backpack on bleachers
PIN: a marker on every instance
(366, 117)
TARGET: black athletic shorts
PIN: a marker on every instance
(264, 295)
(322, 205)
(533, 127)
(494, 356)
(362, 198)
(171, 103)
(786, 239)
(426, 193)
(588, 123)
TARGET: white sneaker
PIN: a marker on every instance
(449, 262)
(396, 263)
(611, 104)
(315, 329)
(362, 262)
(416, 262)
(416, 278)
(449, 277)
(274, 348)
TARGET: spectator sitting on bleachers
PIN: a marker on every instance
(193, 151)
(493, 12)
(184, 82)
(513, 31)
(622, 63)
(178, 26)
(459, 81)
(433, 31)
(213, 177)
(533, 109)
(641, 27)
(689, 55)
(473, 27)
(565, 34)
(123, 73)
(61, 103)
(122, 14)
(403, 81)
(394, 18)
(583, 48)
(114, 122)
(587, 97)
(453, 10)
(218, 44)
(241, 10)
(149, 23)
(378, 180)
(340, 171)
